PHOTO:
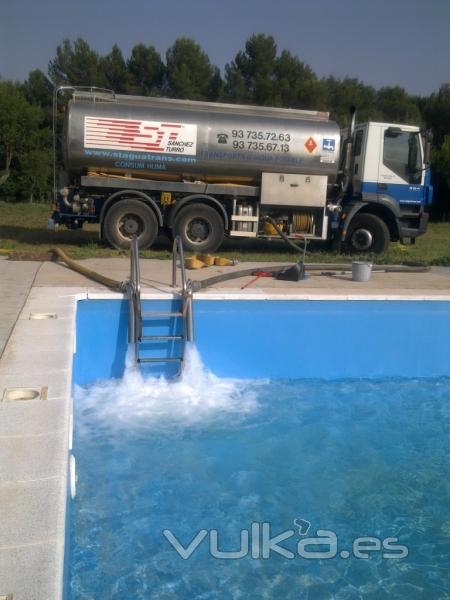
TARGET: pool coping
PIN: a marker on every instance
(262, 295)
(36, 471)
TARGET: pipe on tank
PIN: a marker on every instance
(64, 195)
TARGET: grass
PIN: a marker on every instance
(24, 235)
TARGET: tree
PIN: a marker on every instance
(441, 159)
(38, 89)
(437, 113)
(76, 65)
(35, 172)
(250, 78)
(296, 85)
(347, 92)
(189, 72)
(258, 76)
(396, 106)
(235, 89)
(115, 71)
(146, 70)
(19, 125)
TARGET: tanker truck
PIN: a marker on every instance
(144, 166)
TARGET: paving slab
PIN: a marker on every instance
(25, 515)
(31, 457)
(36, 417)
(16, 280)
(29, 571)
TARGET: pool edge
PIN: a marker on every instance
(35, 441)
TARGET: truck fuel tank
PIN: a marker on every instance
(186, 140)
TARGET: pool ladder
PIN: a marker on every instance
(137, 315)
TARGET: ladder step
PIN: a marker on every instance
(160, 315)
(161, 337)
(159, 360)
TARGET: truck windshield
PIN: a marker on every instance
(402, 155)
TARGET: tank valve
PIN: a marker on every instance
(334, 208)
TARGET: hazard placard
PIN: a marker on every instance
(310, 145)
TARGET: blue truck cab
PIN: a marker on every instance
(390, 179)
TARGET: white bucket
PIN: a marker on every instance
(361, 271)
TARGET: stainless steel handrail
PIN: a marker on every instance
(177, 252)
(186, 288)
(135, 269)
(134, 295)
(137, 285)
(189, 317)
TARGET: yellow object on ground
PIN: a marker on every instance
(194, 263)
(207, 259)
(225, 262)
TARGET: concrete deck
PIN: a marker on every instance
(35, 435)
(156, 275)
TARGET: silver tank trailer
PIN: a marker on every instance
(178, 139)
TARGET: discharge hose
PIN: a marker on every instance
(285, 237)
(312, 268)
(119, 286)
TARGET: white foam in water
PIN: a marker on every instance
(137, 402)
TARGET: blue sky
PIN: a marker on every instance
(382, 42)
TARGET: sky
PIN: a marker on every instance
(380, 42)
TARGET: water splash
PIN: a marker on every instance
(196, 398)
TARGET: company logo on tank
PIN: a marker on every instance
(140, 136)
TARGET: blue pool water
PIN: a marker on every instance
(352, 457)
(336, 429)
(283, 339)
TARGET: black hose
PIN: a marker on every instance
(320, 269)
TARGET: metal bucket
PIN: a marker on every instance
(361, 271)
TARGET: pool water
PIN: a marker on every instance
(353, 458)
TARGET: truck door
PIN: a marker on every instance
(400, 173)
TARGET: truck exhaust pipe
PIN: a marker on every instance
(347, 155)
(351, 125)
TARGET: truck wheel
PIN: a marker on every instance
(127, 218)
(367, 233)
(200, 228)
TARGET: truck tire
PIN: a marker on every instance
(367, 233)
(126, 218)
(200, 228)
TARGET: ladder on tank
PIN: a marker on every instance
(138, 317)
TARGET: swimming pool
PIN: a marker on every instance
(333, 436)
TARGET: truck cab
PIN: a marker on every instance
(390, 179)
